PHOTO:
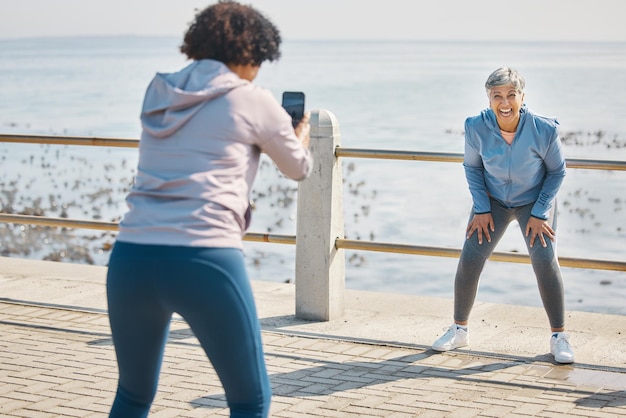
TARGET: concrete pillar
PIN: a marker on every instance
(320, 267)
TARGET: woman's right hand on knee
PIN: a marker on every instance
(483, 225)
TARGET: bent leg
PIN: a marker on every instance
(472, 261)
(219, 306)
(547, 270)
(139, 326)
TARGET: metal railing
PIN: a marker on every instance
(509, 257)
(444, 157)
(358, 245)
(320, 257)
(339, 152)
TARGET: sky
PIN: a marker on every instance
(551, 20)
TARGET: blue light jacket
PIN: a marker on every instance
(529, 170)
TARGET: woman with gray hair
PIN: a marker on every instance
(514, 167)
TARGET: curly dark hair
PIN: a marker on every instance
(232, 33)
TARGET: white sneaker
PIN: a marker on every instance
(453, 338)
(560, 348)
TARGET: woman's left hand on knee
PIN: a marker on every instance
(539, 228)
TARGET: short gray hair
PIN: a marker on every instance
(504, 76)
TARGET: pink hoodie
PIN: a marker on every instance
(204, 129)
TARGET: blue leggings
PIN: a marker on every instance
(544, 261)
(209, 288)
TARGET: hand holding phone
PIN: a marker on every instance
(293, 102)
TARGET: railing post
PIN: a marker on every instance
(320, 266)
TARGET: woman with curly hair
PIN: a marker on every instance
(179, 247)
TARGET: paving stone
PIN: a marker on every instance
(58, 360)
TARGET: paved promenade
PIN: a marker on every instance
(57, 359)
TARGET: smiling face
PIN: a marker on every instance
(506, 102)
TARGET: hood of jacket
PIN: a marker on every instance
(173, 98)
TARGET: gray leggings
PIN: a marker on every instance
(544, 262)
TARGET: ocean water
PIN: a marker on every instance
(386, 95)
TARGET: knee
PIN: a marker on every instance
(544, 257)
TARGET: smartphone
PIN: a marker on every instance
(293, 102)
